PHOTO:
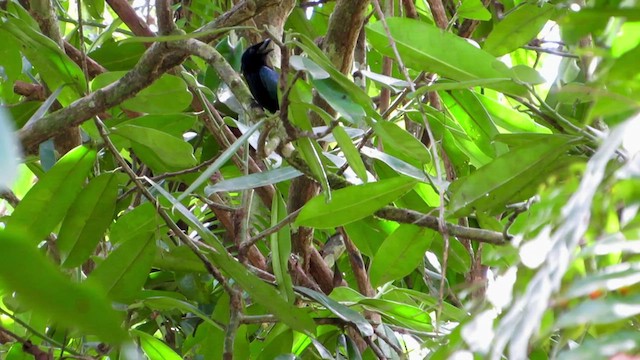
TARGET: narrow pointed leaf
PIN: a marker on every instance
(343, 312)
(501, 181)
(50, 198)
(44, 289)
(352, 203)
(87, 220)
(400, 253)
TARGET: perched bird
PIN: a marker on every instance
(261, 78)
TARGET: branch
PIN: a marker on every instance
(154, 62)
(407, 216)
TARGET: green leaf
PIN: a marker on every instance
(116, 56)
(400, 253)
(87, 220)
(168, 94)
(122, 274)
(95, 8)
(399, 166)
(136, 223)
(339, 310)
(426, 47)
(281, 250)
(309, 150)
(518, 28)
(340, 100)
(53, 65)
(369, 233)
(161, 151)
(43, 288)
(501, 181)
(473, 9)
(174, 124)
(154, 348)
(399, 143)
(352, 203)
(350, 152)
(405, 315)
(50, 198)
(169, 303)
(525, 74)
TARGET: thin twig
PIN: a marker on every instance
(288, 219)
(386, 339)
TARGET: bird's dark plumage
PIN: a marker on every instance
(261, 78)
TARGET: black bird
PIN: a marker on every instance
(261, 78)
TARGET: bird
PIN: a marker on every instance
(261, 78)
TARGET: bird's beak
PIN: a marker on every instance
(263, 49)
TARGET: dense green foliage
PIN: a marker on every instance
(476, 184)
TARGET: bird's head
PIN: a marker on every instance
(256, 55)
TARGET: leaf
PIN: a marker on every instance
(281, 250)
(350, 152)
(174, 124)
(136, 223)
(53, 65)
(50, 198)
(400, 253)
(309, 150)
(303, 63)
(253, 181)
(340, 100)
(154, 348)
(352, 203)
(517, 28)
(43, 288)
(161, 151)
(425, 47)
(399, 143)
(90, 215)
(339, 310)
(500, 182)
(396, 164)
(95, 8)
(405, 315)
(473, 9)
(168, 303)
(168, 94)
(122, 274)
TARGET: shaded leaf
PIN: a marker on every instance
(50, 198)
(339, 310)
(400, 254)
(87, 220)
(43, 288)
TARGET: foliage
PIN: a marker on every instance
(476, 199)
